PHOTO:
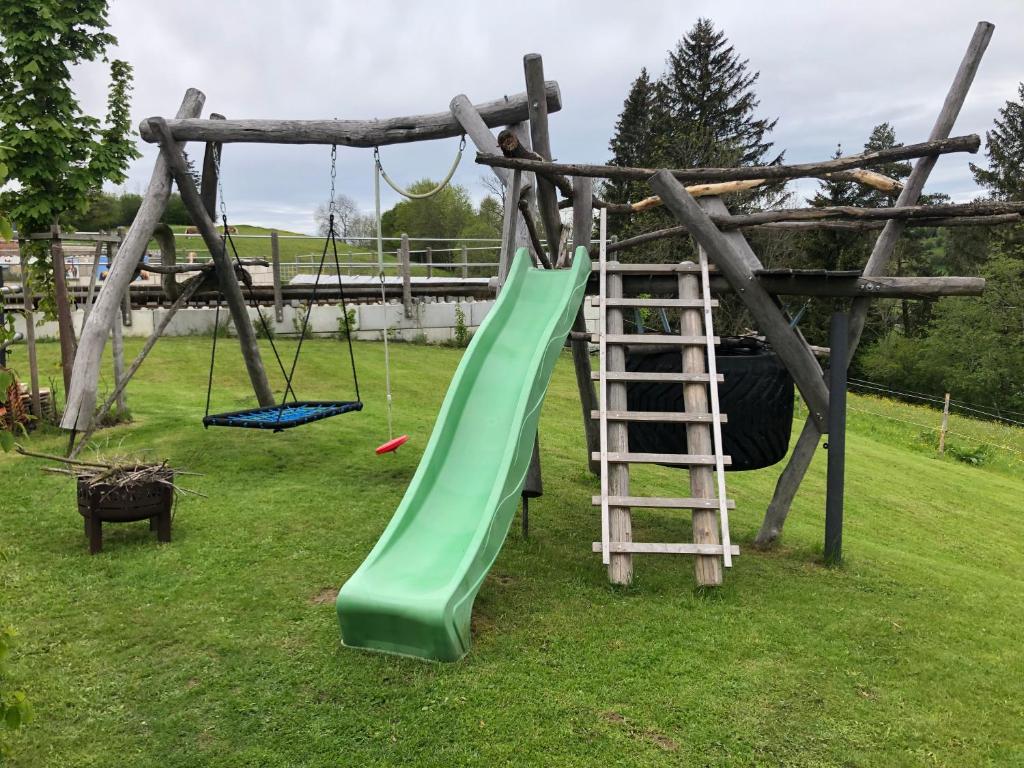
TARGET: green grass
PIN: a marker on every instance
(222, 649)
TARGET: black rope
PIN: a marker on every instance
(344, 314)
(213, 357)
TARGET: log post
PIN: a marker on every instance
(793, 474)
(405, 264)
(465, 261)
(211, 177)
(945, 425)
(509, 226)
(582, 229)
(547, 201)
(790, 347)
(117, 350)
(225, 269)
(92, 281)
(707, 569)
(428, 255)
(836, 477)
(275, 271)
(164, 237)
(28, 300)
(64, 325)
(620, 519)
(81, 401)
(126, 298)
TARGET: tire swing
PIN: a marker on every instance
(286, 414)
(756, 395)
(393, 443)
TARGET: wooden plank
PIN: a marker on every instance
(602, 373)
(716, 424)
(678, 378)
(658, 338)
(649, 548)
(654, 302)
(117, 351)
(660, 416)
(791, 348)
(663, 502)
(653, 269)
(81, 399)
(351, 133)
(969, 143)
(30, 335)
(675, 459)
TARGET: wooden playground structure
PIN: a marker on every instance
(537, 189)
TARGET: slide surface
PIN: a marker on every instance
(413, 595)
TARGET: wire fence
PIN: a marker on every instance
(954, 404)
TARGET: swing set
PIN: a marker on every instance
(290, 411)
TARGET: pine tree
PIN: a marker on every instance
(632, 141)
(708, 104)
(1004, 147)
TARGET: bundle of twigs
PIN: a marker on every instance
(118, 473)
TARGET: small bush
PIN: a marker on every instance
(975, 455)
(297, 322)
(462, 334)
(347, 324)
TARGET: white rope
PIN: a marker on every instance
(383, 296)
(418, 195)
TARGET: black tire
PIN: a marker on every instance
(757, 396)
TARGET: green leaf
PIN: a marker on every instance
(13, 717)
(6, 441)
(6, 380)
(6, 230)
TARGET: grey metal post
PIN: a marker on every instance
(838, 343)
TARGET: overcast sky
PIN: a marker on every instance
(829, 72)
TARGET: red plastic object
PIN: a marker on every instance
(392, 445)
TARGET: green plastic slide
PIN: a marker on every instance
(413, 595)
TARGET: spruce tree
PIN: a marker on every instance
(631, 144)
(1004, 147)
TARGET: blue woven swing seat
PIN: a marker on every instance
(277, 418)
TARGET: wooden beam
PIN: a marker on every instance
(275, 275)
(969, 143)
(211, 173)
(65, 326)
(795, 355)
(800, 461)
(547, 200)
(81, 400)
(582, 230)
(351, 133)
(225, 269)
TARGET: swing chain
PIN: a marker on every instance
(333, 207)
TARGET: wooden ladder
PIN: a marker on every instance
(702, 417)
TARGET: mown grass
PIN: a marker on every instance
(221, 648)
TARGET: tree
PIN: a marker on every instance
(430, 221)
(700, 112)
(54, 152)
(1004, 148)
(345, 213)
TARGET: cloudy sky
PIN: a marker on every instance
(829, 72)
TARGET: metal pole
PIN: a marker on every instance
(836, 438)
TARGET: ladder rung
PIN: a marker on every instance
(661, 416)
(595, 301)
(654, 338)
(680, 459)
(654, 376)
(662, 502)
(644, 548)
(653, 269)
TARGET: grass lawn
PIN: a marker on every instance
(222, 648)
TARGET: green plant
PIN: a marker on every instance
(7, 428)
(265, 329)
(15, 708)
(347, 324)
(975, 456)
(462, 333)
(302, 329)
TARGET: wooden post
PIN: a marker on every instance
(275, 271)
(509, 227)
(64, 325)
(800, 461)
(429, 257)
(117, 349)
(225, 269)
(945, 425)
(620, 519)
(30, 333)
(210, 177)
(81, 401)
(465, 262)
(547, 201)
(580, 347)
(92, 282)
(405, 264)
(707, 568)
(126, 299)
